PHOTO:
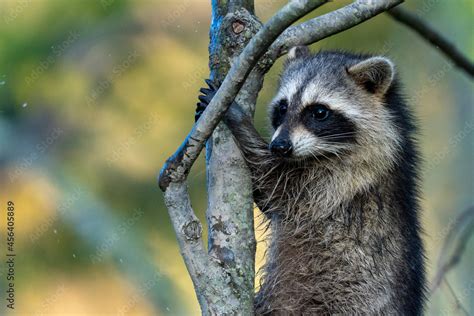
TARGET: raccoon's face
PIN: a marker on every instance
(330, 105)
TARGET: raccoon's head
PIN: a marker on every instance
(331, 105)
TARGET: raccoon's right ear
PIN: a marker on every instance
(298, 52)
(375, 74)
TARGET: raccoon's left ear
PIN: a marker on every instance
(298, 52)
(374, 74)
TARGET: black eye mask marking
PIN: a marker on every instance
(279, 113)
(332, 126)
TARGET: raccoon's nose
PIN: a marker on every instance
(281, 147)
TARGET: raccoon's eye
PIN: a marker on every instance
(283, 106)
(320, 112)
(279, 113)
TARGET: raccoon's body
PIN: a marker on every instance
(338, 183)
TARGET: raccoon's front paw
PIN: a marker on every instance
(205, 98)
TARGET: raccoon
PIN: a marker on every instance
(339, 185)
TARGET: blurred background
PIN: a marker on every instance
(95, 95)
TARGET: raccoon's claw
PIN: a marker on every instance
(205, 98)
(206, 91)
(199, 110)
(211, 84)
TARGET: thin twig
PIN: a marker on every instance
(444, 266)
(428, 33)
(459, 305)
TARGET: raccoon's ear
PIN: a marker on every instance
(374, 74)
(298, 52)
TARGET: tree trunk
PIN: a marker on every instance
(230, 202)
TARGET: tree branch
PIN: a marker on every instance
(326, 25)
(428, 33)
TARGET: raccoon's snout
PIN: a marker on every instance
(281, 147)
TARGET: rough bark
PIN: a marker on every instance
(229, 213)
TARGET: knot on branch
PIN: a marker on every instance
(192, 230)
(237, 29)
